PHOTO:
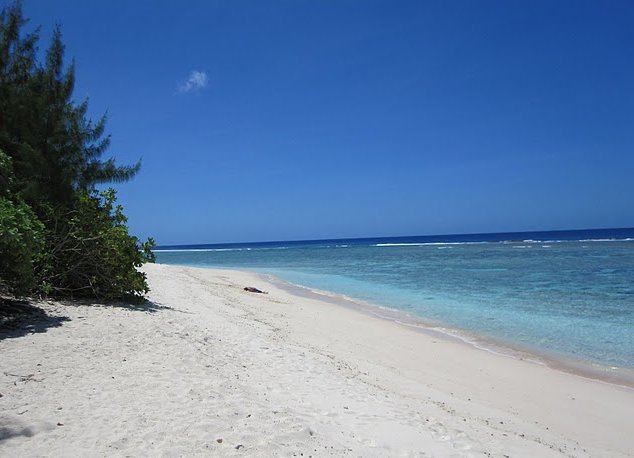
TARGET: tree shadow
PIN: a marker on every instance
(147, 306)
(19, 318)
(13, 427)
(8, 432)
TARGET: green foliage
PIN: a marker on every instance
(91, 254)
(6, 174)
(58, 235)
(55, 148)
(21, 236)
(21, 242)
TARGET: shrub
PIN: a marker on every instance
(21, 236)
(21, 242)
(91, 253)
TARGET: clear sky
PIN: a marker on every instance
(275, 120)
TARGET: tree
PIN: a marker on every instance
(58, 232)
(56, 149)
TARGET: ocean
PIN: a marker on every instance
(564, 293)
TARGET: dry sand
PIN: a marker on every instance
(208, 369)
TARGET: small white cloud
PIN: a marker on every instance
(196, 81)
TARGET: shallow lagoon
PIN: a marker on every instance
(541, 291)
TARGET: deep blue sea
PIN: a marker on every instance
(563, 292)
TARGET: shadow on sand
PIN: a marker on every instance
(147, 306)
(7, 431)
(19, 318)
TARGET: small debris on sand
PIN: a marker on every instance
(251, 289)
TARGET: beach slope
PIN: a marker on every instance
(209, 369)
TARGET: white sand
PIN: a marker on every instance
(278, 374)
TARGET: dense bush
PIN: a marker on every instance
(21, 235)
(58, 234)
(91, 252)
(21, 243)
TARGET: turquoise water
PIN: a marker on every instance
(572, 297)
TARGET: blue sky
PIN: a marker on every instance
(323, 119)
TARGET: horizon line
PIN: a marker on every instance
(389, 237)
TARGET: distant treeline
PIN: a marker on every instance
(59, 236)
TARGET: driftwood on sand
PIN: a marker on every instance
(251, 289)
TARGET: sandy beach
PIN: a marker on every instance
(209, 369)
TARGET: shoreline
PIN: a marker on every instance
(501, 299)
(621, 376)
(207, 368)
